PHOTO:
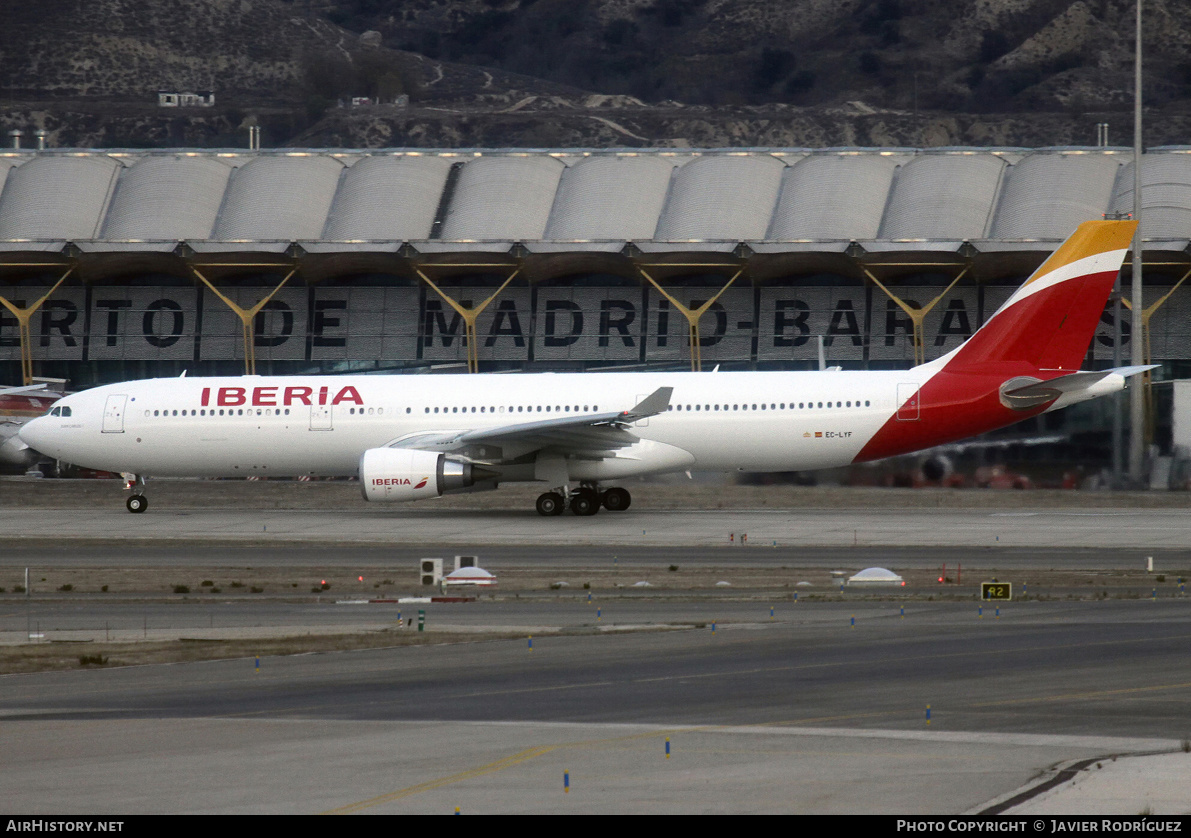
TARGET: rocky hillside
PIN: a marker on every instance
(593, 72)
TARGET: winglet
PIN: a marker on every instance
(653, 404)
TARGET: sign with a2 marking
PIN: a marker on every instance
(996, 591)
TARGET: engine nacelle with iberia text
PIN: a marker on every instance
(403, 474)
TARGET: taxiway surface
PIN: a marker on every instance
(805, 712)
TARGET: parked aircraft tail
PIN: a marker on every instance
(1050, 320)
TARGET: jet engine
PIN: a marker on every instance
(937, 468)
(403, 474)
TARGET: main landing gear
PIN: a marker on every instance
(137, 502)
(586, 500)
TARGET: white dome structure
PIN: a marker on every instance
(469, 576)
(876, 577)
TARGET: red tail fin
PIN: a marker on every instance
(1050, 320)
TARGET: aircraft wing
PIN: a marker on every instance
(28, 388)
(591, 434)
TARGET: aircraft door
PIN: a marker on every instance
(320, 417)
(907, 402)
(113, 415)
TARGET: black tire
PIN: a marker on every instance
(137, 503)
(550, 503)
(585, 502)
(617, 499)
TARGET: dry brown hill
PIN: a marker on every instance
(593, 72)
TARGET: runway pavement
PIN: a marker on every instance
(425, 526)
(821, 709)
(813, 713)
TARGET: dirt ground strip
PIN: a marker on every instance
(671, 582)
(208, 584)
(43, 657)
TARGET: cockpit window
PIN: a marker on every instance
(65, 410)
(57, 411)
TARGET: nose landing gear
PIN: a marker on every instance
(137, 502)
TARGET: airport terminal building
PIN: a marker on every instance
(156, 262)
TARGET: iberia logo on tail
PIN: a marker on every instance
(1040, 334)
(1049, 321)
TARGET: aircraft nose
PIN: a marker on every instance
(34, 433)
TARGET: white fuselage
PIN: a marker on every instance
(320, 425)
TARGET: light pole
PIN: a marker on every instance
(1137, 340)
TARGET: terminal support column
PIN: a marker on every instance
(1142, 322)
(246, 315)
(917, 315)
(469, 315)
(692, 315)
(23, 316)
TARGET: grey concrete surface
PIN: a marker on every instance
(246, 765)
(805, 713)
(1110, 529)
(810, 715)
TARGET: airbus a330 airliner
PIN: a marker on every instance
(413, 437)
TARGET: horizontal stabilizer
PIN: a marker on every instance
(1025, 392)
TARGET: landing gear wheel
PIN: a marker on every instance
(616, 499)
(137, 503)
(585, 502)
(550, 503)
